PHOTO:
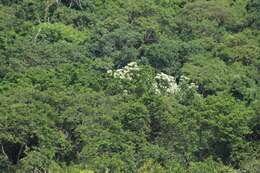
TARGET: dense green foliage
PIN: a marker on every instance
(61, 112)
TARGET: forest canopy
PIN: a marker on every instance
(129, 86)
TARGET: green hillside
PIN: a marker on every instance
(129, 86)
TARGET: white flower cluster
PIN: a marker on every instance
(163, 83)
(166, 83)
(126, 72)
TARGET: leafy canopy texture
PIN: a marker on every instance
(129, 86)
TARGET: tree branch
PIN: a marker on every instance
(36, 36)
(3, 151)
(20, 152)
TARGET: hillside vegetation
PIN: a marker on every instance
(129, 86)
